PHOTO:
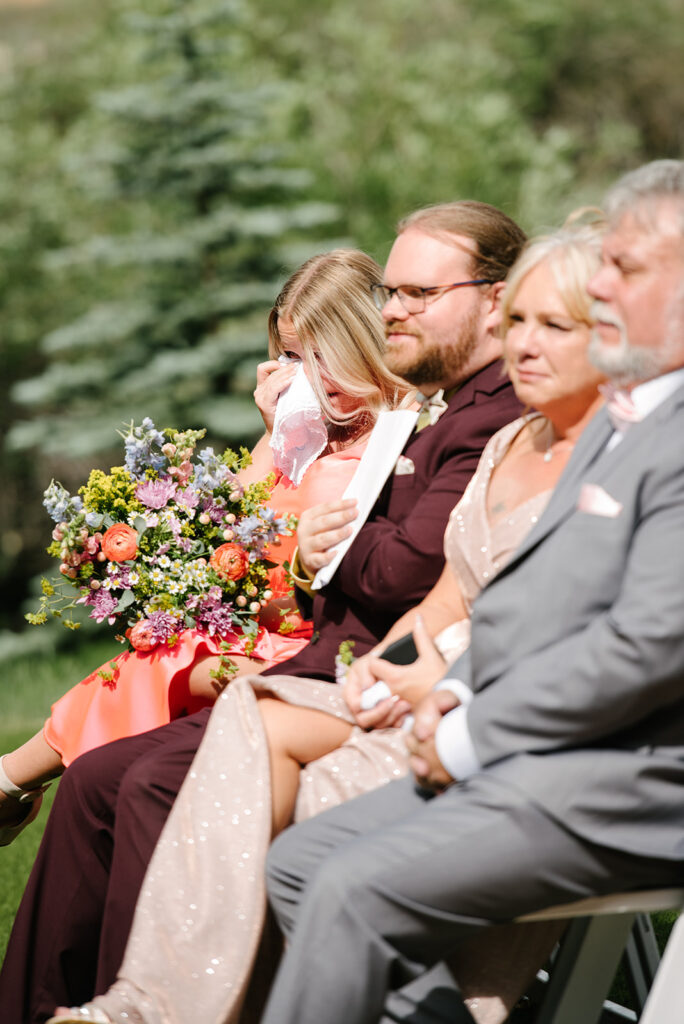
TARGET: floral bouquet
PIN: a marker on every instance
(164, 542)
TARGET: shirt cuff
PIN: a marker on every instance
(454, 746)
(458, 688)
(300, 575)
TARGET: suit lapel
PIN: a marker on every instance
(488, 380)
(592, 457)
(564, 498)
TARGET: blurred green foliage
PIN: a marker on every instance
(184, 148)
(164, 163)
(534, 105)
(31, 683)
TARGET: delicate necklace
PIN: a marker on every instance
(549, 453)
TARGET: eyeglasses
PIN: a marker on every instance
(413, 298)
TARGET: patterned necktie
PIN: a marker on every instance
(622, 412)
(431, 409)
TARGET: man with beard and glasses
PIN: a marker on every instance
(439, 300)
(549, 762)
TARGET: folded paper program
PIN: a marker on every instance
(299, 432)
(392, 430)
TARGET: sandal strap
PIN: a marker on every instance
(24, 796)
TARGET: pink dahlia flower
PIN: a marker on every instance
(155, 493)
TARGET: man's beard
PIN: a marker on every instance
(623, 363)
(433, 362)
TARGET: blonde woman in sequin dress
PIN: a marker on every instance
(200, 915)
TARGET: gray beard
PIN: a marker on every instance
(623, 363)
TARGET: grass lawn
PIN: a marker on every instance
(28, 687)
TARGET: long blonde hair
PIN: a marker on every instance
(331, 308)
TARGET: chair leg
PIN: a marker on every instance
(642, 958)
(584, 969)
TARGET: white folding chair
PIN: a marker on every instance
(665, 1004)
(600, 930)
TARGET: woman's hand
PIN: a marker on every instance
(320, 529)
(408, 683)
(361, 676)
(272, 379)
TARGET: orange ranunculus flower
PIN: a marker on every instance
(142, 635)
(120, 542)
(230, 561)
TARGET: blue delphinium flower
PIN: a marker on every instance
(247, 529)
(212, 471)
(139, 444)
(60, 505)
(276, 523)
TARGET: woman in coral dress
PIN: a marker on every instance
(200, 915)
(143, 690)
(151, 688)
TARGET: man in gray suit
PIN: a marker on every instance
(564, 723)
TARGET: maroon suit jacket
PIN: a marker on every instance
(398, 554)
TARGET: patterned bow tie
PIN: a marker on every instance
(620, 407)
(431, 409)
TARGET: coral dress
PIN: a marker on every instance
(150, 688)
(200, 914)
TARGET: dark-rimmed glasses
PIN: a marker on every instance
(413, 298)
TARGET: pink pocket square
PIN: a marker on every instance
(594, 500)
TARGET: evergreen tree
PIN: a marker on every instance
(212, 220)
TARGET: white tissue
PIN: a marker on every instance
(374, 694)
(299, 432)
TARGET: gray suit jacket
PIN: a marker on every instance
(577, 651)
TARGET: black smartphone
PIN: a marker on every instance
(401, 652)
